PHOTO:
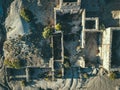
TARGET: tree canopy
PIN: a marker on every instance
(58, 27)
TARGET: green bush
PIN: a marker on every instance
(85, 76)
(23, 83)
(13, 64)
(16, 64)
(58, 27)
(67, 63)
(47, 32)
(112, 75)
(7, 62)
(26, 14)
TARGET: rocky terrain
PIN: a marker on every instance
(25, 38)
(21, 40)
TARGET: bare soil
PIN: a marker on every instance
(91, 46)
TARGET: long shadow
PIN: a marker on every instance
(115, 48)
(5, 5)
(107, 15)
(35, 37)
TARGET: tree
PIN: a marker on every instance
(26, 14)
(47, 32)
(58, 27)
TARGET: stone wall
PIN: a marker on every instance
(106, 48)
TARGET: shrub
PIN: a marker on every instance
(13, 64)
(16, 64)
(23, 83)
(58, 27)
(26, 14)
(47, 32)
(67, 63)
(85, 75)
(7, 62)
(112, 75)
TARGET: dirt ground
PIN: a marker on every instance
(91, 47)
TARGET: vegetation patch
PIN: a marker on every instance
(23, 83)
(26, 14)
(112, 75)
(47, 32)
(13, 64)
(58, 27)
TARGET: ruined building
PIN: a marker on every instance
(95, 41)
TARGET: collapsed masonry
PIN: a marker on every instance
(54, 69)
(95, 42)
(66, 7)
(68, 15)
(90, 27)
(69, 4)
(29, 73)
(107, 45)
